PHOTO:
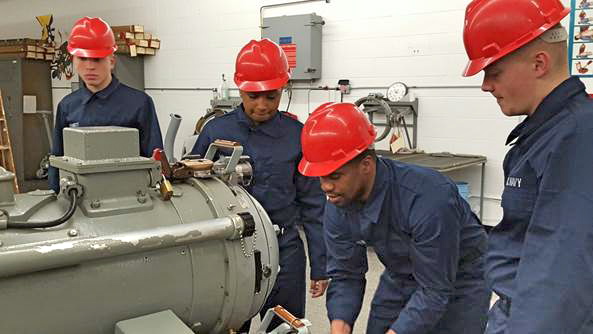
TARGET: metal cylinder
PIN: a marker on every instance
(185, 255)
(209, 253)
(25, 259)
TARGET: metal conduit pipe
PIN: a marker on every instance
(303, 88)
(170, 137)
(22, 259)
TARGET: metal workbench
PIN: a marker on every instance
(443, 162)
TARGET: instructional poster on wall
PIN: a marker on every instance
(580, 46)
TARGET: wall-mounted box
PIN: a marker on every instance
(300, 37)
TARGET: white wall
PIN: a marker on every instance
(372, 43)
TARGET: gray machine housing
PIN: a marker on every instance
(127, 252)
(305, 32)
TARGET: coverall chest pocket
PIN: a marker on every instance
(281, 175)
(517, 205)
(394, 249)
(276, 184)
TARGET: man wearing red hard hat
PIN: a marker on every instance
(424, 233)
(102, 99)
(540, 256)
(271, 139)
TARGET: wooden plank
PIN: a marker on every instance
(127, 49)
(147, 35)
(19, 41)
(128, 28)
(40, 55)
(124, 35)
(141, 50)
(140, 42)
(150, 51)
(118, 29)
(155, 43)
(12, 48)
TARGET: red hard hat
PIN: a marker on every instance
(91, 37)
(495, 28)
(261, 66)
(334, 134)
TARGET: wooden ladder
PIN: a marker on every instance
(6, 158)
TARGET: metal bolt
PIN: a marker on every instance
(267, 271)
(231, 207)
(141, 199)
(96, 204)
(183, 252)
(141, 193)
(73, 233)
(226, 293)
(197, 324)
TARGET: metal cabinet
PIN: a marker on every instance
(19, 77)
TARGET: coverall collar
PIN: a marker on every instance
(102, 94)
(272, 127)
(371, 209)
(550, 106)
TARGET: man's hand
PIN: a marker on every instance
(318, 287)
(391, 331)
(340, 327)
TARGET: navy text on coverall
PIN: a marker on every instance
(431, 245)
(275, 150)
(540, 256)
(115, 105)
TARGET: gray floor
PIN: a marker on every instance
(317, 314)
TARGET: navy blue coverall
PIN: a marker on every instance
(287, 196)
(432, 247)
(115, 105)
(540, 256)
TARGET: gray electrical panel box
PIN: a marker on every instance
(300, 37)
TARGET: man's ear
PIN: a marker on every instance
(366, 164)
(542, 63)
(112, 61)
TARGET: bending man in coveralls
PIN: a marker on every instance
(271, 139)
(424, 233)
(540, 256)
(101, 99)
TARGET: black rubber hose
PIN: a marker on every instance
(45, 224)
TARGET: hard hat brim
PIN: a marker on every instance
(324, 168)
(473, 67)
(262, 86)
(86, 53)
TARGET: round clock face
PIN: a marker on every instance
(397, 91)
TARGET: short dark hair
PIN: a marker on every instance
(368, 152)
